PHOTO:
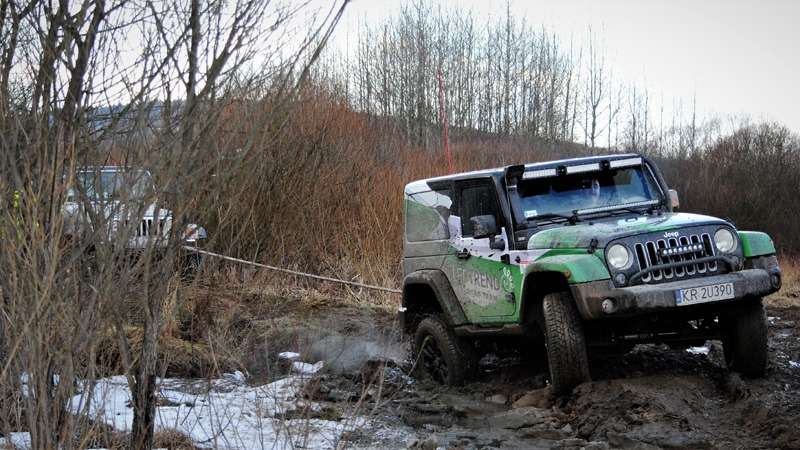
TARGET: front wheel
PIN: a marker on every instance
(566, 345)
(442, 355)
(744, 339)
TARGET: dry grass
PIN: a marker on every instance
(180, 357)
(243, 321)
(173, 440)
(789, 295)
(325, 196)
(103, 436)
(238, 321)
(791, 275)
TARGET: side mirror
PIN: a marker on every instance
(674, 201)
(497, 243)
(483, 226)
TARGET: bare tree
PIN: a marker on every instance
(596, 90)
(68, 101)
(503, 75)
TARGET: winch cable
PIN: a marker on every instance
(290, 271)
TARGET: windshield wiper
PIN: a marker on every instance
(639, 210)
(571, 218)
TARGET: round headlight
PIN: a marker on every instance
(724, 240)
(618, 256)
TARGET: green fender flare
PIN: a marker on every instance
(756, 243)
(577, 267)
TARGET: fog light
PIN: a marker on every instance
(608, 306)
(620, 279)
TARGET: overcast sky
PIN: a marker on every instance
(740, 57)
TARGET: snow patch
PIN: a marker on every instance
(235, 377)
(306, 368)
(223, 413)
(18, 440)
(291, 356)
(698, 350)
(794, 364)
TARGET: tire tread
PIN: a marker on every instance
(566, 345)
(744, 339)
(458, 353)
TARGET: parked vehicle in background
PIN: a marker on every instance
(118, 206)
(576, 256)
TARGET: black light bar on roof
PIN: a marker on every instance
(581, 168)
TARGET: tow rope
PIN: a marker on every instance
(291, 272)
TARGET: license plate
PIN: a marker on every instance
(704, 294)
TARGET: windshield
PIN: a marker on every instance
(562, 195)
(128, 185)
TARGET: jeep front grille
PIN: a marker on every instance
(150, 227)
(680, 251)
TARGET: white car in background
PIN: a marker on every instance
(121, 201)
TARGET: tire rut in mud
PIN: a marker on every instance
(652, 397)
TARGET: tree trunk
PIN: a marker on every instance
(144, 401)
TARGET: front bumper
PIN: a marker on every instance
(647, 298)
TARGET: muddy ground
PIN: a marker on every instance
(652, 397)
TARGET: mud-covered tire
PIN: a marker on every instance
(566, 344)
(441, 355)
(744, 339)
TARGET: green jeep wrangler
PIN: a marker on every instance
(572, 256)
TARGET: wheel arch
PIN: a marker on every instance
(429, 292)
(559, 272)
(535, 286)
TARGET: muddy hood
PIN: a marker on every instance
(611, 228)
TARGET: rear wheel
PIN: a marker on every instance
(744, 339)
(566, 345)
(441, 355)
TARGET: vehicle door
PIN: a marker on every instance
(482, 281)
